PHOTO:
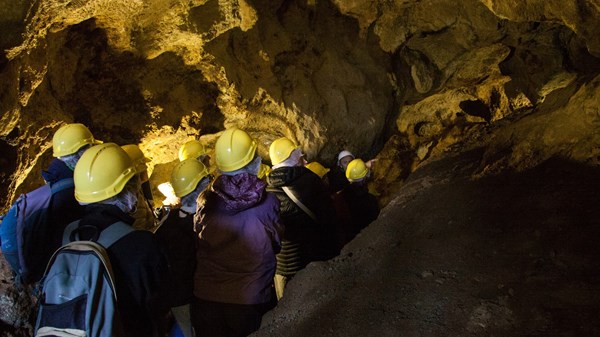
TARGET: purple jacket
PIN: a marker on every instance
(239, 228)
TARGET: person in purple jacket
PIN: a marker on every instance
(239, 235)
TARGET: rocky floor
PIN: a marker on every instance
(510, 255)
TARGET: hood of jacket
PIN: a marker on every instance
(237, 193)
(98, 217)
(57, 170)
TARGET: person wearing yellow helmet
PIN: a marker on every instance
(144, 214)
(284, 152)
(318, 169)
(361, 206)
(70, 141)
(238, 225)
(357, 171)
(337, 175)
(194, 149)
(307, 213)
(106, 182)
(68, 144)
(176, 235)
(191, 149)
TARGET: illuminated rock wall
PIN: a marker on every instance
(347, 74)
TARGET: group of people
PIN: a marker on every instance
(222, 255)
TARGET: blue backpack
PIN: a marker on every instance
(25, 230)
(78, 296)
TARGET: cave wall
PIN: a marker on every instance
(159, 72)
(344, 74)
(421, 76)
(470, 73)
(411, 78)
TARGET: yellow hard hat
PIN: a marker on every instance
(102, 172)
(137, 157)
(263, 171)
(281, 149)
(357, 169)
(186, 176)
(191, 149)
(317, 168)
(70, 138)
(234, 150)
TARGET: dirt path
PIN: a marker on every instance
(510, 255)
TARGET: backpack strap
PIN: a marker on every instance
(108, 236)
(297, 201)
(62, 185)
(113, 233)
(68, 230)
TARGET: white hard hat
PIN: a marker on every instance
(343, 154)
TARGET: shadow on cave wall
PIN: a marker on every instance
(180, 91)
(539, 52)
(98, 86)
(8, 162)
(120, 94)
(311, 60)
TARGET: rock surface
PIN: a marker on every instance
(514, 254)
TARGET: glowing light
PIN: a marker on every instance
(167, 190)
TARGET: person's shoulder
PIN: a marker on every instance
(269, 203)
(140, 238)
(336, 170)
(270, 198)
(307, 176)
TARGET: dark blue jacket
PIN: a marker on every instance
(64, 207)
(363, 208)
(63, 210)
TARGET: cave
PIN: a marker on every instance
(483, 117)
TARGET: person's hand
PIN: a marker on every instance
(371, 163)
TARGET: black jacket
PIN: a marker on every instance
(362, 208)
(178, 240)
(337, 179)
(140, 270)
(305, 239)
